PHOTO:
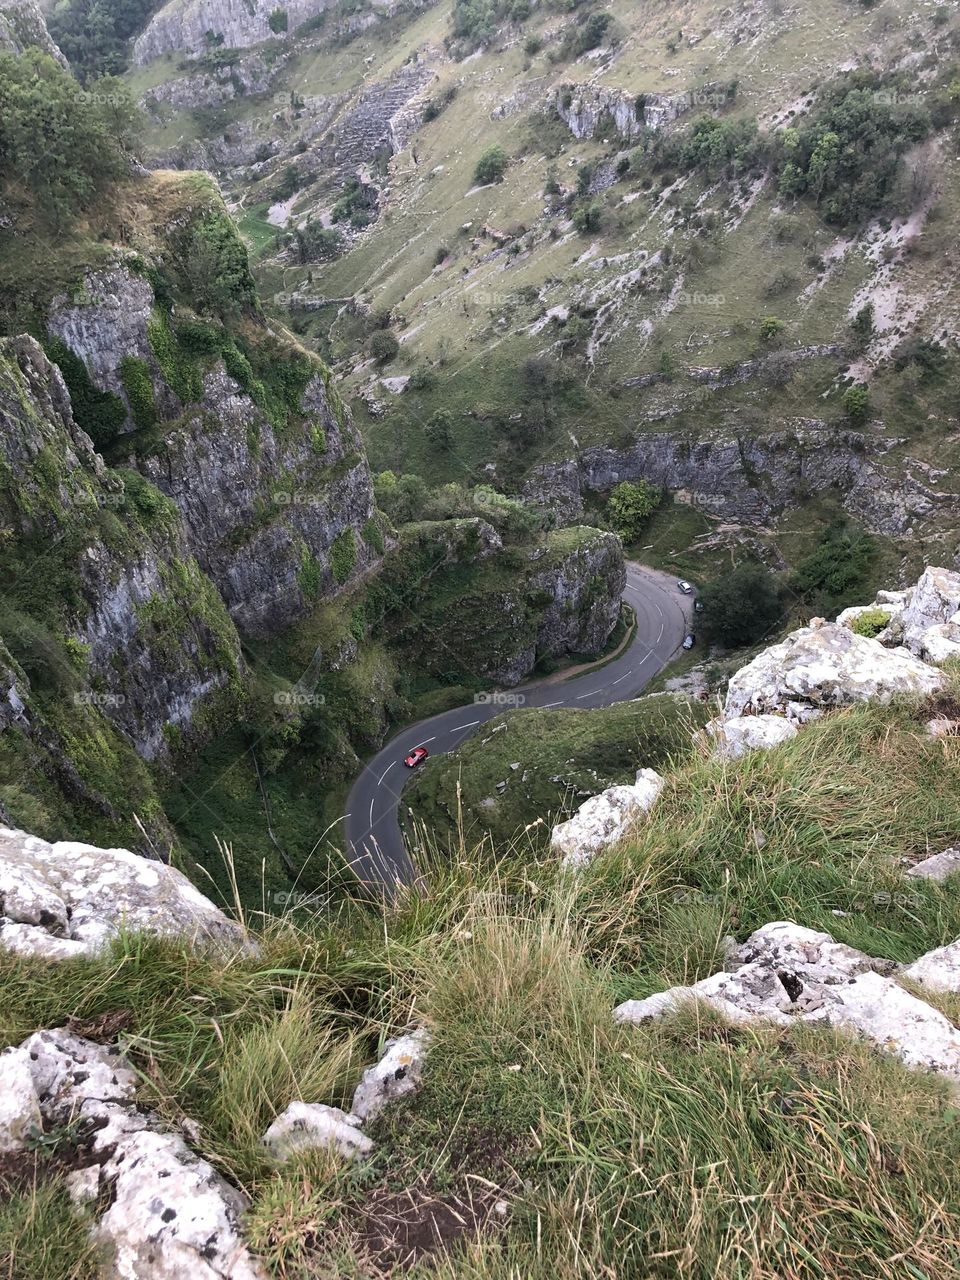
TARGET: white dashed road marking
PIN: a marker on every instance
(386, 771)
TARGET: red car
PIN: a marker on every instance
(416, 756)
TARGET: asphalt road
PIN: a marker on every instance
(371, 825)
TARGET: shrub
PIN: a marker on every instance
(491, 166)
(384, 346)
(856, 403)
(137, 383)
(742, 606)
(343, 555)
(870, 623)
(630, 505)
(588, 217)
(439, 429)
(277, 21)
(770, 328)
(834, 574)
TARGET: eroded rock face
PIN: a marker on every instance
(929, 622)
(733, 738)
(64, 900)
(605, 819)
(171, 1216)
(155, 637)
(308, 1125)
(824, 666)
(22, 27)
(752, 480)
(785, 973)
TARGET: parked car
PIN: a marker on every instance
(698, 605)
(416, 756)
(685, 587)
(689, 640)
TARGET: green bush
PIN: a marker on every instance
(384, 346)
(137, 383)
(343, 555)
(277, 21)
(741, 607)
(770, 328)
(630, 505)
(834, 574)
(870, 623)
(856, 403)
(491, 166)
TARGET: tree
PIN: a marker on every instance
(402, 497)
(742, 606)
(856, 403)
(770, 328)
(439, 429)
(630, 505)
(491, 166)
(56, 142)
(587, 217)
(384, 346)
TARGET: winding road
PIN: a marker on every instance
(374, 841)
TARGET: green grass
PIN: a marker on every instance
(687, 1148)
(561, 757)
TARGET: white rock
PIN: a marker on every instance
(943, 727)
(19, 1104)
(938, 969)
(812, 955)
(823, 666)
(605, 819)
(67, 899)
(171, 1216)
(878, 1009)
(788, 973)
(937, 867)
(399, 1072)
(306, 1125)
(929, 624)
(735, 737)
(753, 991)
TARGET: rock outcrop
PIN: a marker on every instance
(785, 973)
(66, 900)
(604, 819)
(160, 1209)
(307, 1126)
(398, 1073)
(22, 26)
(151, 638)
(753, 479)
(821, 667)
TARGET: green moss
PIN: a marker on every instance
(137, 383)
(870, 623)
(100, 413)
(310, 574)
(318, 438)
(373, 535)
(180, 369)
(343, 555)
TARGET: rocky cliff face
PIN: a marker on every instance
(184, 26)
(751, 480)
(22, 27)
(101, 580)
(234, 422)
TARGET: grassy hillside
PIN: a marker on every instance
(686, 1148)
(530, 769)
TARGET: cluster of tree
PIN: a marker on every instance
(834, 573)
(846, 157)
(475, 21)
(95, 34)
(741, 607)
(59, 142)
(630, 506)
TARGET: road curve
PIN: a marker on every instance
(373, 839)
